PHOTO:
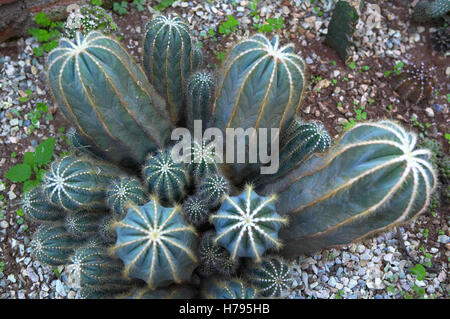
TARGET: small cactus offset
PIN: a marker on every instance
(83, 144)
(83, 224)
(123, 190)
(156, 245)
(38, 209)
(107, 96)
(260, 85)
(298, 142)
(106, 231)
(172, 292)
(228, 289)
(415, 83)
(247, 225)
(440, 40)
(373, 179)
(200, 93)
(169, 59)
(202, 161)
(52, 245)
(341, 29)
(214, 259)
(76, 183)
(427, 10)
(95, 269)
(196, 210)
(270, 277)
(165, 178)
(213, 189)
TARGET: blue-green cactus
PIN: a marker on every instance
(76, 183)
(228, 289)
(213, 189)
(270, 277)
(123, 190)
(83, 224)
(214, 259)
(172, 292)
(52, 245)
(106, 231)
(169, 60)
(165, 178)
(247, 225)
(428, 10)
(38, 209)
(202, 161)
(196, 210)
(200, 93)
(83, 144)
(156, 245)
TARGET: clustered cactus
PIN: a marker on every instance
(130, 221)
(426, 10)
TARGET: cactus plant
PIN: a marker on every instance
(165, 178)
(52, 245)
(200, 93)
(427, 10)
(123, 190)
(156, 244)
(82, 144)
(169, 59)
(247, 225)
(270, 277)
(76, 183)
(440, 40)
(100, 89)
(213, 189)
(341, 28)
(83, 224)
(38, 209)
(228, 289)
(202, 160)
(415, 83)
(196, 210)
(327, 199)
(260, 86)
(106, 231)
(297, 143)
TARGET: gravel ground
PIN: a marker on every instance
(376, 268)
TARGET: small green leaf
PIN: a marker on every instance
(28, 158)
(19, 173)
(44, 152)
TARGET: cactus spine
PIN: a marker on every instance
(106, 95)
(156, 245)
(229, 289)
(371, 180)
(261, 86)
(214, 259)
(83, 224)
(165, 178)
(270, 277)
(169, 59)
(248, 225)
(123, 190)
(196, 210)
(200, 92)
(75, 183)
(52, 245)
(202, 161)
(428, 10)
(213, 189)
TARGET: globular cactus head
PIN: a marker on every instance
(38, 209)
(52, 245)
(165, 178)
(247, 225)
(83, 224)
(202, 161)
(123, 190)
(214, 259)
(228, 289)
(172, 292)
(213, 189)
(415, 83)
(82, 144)
(440, 40)
(196, 210)
(156, 244)
(270, 277)
(427, 10)
(106, 229)
(200, 93)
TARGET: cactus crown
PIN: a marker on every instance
(123, 190)
(196, 210)
(415, 83)
(213, 189)
(229, 289)
(156, 244)
(248, 225)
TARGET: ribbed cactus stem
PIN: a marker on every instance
(213, 189)
(156, 245)
(169, 59)
(83, 224)
(373, 179)
(202, 161)
(123, 190)
(196, 210)
(228, 289)
(248, 225)
(38, 209)
(200, 93)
